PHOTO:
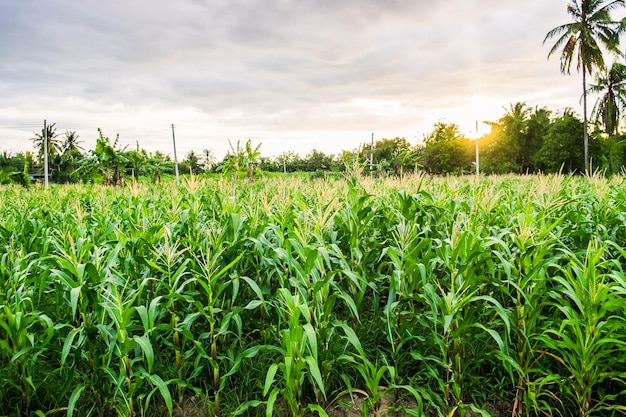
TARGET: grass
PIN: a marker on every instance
(288, 295)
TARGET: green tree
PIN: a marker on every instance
(536, 130)
(66, 159)
(135, 162)
(404, 159)
(446, 151)
(391, 156)
(10, 167)
(208, 160)
(238, 156)
(514, 140)
(351, 161)
(514, 135)
(107, 159)
(561, 150)
(191, 163)
(63, 167)
(229, 165)
(232, 160)
(278, 163)
(611, 85)
(53, 143)
(291, 162)
(251, 158)
(591, 29)
(156, 165)
(613, 151)
(70, 142)
(491, 160)
(317, 160)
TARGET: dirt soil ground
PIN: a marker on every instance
(384, 408)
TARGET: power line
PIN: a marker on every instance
(19, 126)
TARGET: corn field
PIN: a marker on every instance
(294, 297)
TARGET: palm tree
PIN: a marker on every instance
(53, 143)
(208, 159)
(515, 134)
(70, 143)
(193, 162)
(611, 85)
(591, 29)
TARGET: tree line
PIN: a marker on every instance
(523, 140)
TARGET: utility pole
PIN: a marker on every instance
(175, 158)
(284, 163)
(477, 161)
(372, 155)
(45, 154)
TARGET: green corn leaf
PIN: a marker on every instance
(269, 410)
(311, 338)
(225, 269)
(243, 408)
(253, 304)
(146, 347)
(247, 354)
(162, 387)
(71, 405)
(315, 373)
(68, 343)
(352, 337)
(255, 288)
(320, 411)
(269, 378)
(74, 295)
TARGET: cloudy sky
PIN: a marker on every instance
(293, 75)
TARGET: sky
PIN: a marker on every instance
(291, 75)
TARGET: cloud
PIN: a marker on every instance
(277, 66)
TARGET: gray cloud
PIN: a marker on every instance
(276, 65)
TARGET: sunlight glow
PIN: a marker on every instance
(477, 108)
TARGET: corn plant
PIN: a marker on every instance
(455, 311)
(534, 249)
(172, 282)
(451, 293)
(299, 360)
(26, 330)
(25, 333)
(587, 342)
(132, 353)
(215, 307)
(372, 374)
